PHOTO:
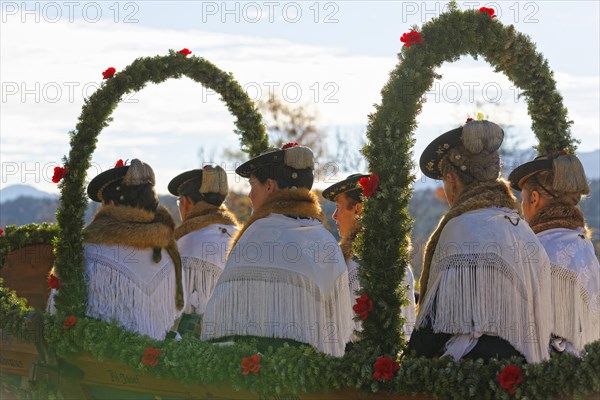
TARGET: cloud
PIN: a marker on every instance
(48, 70)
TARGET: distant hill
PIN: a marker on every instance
(15, 191)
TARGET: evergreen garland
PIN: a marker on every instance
(16, 237)
(383, 246)
(95, 116)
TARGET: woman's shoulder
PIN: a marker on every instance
(493, 226)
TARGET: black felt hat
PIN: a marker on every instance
(101, 181)
(184, 178)
(209, 179)
(431, 159)
(291, 166)
(136, 173)
(349, 184)
(524, 171)
(269, 159)
(468, 145)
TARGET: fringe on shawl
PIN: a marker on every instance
(201, 278)
(290, 202)
(576, 314)
(141, 229)
(145, 308)
(203, 215)
(471, 293)
(278, 303)
(478, 195)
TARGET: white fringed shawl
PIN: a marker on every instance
(490, 275)
(126, 285)
(285, 278)
(203, 256)
(408, 311)
(575, 285)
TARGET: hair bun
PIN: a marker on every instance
(478, 136)
(139, 173)
(214, 180)
(299, 157)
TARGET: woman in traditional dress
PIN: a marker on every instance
(285, 278)
(204, 235)
(551, 188)
(483, 291)
(133, 268)
(347, 196)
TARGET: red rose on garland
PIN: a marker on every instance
(288, 145)
(490, 11)
(59, 173)
(251, 364)
(69, 322)
(119, 163)
(385, 368)
(410, 38)
(185, 52)
(1, 232)
(150, 357)
(363, 306)
(510, 377)
(108, 73)
(53, 282)
(369, 184)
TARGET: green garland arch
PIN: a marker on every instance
(301, 369)
(95, 116)
(384, 251)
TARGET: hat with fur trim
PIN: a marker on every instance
(568, 173)
(469, 148)
(137, 173)
(350, 184)
(291, 166)
(209, 179)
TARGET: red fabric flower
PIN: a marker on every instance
(490, 11)
(251, 364)
(185, 52)
(288, 145)
(469, 119)
(363, 306)
(385, 368)
(59, 173)
(108, 73)
(369, 184)
(510, 377)
(69, 322)
(53, 282)
(150, 356)
(1, 232)
(410, 38)
(119, 163)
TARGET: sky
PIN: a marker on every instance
(331, 57)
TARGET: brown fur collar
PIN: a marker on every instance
(479, 195)
(291, 202)
(135, 227)
(138, 228)
(558, 216)
(347, 243)
(203, 215)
